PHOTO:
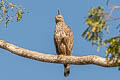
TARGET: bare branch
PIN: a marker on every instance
(113, 19)
(113, 8)
(109, 14)
(83, 60)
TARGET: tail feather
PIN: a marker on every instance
(66, 70)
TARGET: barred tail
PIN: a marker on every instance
(66, 70)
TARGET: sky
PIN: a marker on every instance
(35, 32)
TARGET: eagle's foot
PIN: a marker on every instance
(60, 56)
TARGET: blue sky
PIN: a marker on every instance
(35, 32)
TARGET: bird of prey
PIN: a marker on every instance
(63, 40)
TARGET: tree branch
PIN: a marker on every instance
(109, 14)
(83, 60)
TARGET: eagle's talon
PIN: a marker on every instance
(60, 56)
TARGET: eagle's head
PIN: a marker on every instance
(59, 17)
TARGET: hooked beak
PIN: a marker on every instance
(59, 11)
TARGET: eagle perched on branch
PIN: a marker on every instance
(63, 39)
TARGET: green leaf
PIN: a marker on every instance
(88, 37)
(6, 22)
(19, 15)
(84, 33)
(98, 48)
(6, 11)
(93, 10)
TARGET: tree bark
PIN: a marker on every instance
(75, 60)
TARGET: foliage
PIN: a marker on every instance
(113, 49)
(96, 23)
(9, 11)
